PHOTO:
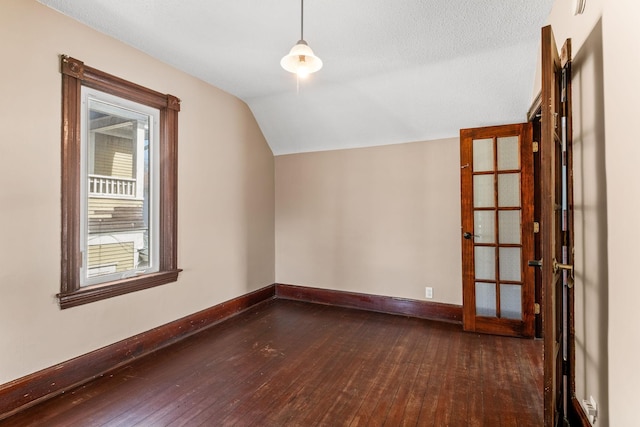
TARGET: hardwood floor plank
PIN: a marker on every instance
(456, 382)
(473, 394)
(223, 371)
(293, 350)
(489, 387)
(383, 389)
(436, 364)
(333, 369)
(292, 363)
(364, 382)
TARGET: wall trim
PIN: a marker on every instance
(383, 304)
(34, 388)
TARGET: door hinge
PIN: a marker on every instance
(536, 308)
(536, 146)
(565, 367)
(536, 227)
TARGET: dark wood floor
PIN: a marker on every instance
(287, 363)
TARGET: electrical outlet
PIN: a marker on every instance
(591, 408)
(428, 292)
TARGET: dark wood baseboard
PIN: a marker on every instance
(39, 386)
(34, 388)
(293, 363)
(382, 304)
(576, 415)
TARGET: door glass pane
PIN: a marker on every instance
(485, 299)
(483, 191)
(508, 153)
(511, 301)
(510, 264)
(509, 226)
(485, 263)
(484, 223)
(508, 190)
(482, 155)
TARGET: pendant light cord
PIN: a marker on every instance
(301, 38)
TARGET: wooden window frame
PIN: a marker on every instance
(76, 74)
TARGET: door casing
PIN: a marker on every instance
(556, 232)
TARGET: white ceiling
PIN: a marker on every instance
(394, 70)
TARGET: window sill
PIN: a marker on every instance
(99, 292)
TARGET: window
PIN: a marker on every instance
(119, 143)
(119, 186)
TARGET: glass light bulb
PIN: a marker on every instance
(302, 71)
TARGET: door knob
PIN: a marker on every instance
(568, 267)
(558, 266)
(468, 235)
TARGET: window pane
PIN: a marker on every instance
(509, 190)
(118, 242)
(483, 191)
(510, 264)
(483, 155)
(511, 301)
(509, 226)
(485, 299)
(484, 225)
(485, 262)
(508, 153)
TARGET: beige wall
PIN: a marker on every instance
(607, 196)
(226, 195)
(622, 91)
(590, 216)
(382, 220)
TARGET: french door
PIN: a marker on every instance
(497, 229)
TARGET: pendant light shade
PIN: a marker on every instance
(301, 60)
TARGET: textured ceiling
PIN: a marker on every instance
(394, 70)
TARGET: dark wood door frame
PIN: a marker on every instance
(556, 234)
(534, 118)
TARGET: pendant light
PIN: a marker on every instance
(301, 60)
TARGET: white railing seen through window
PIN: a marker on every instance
(100, 185)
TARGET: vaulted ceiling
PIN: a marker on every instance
(394, 70)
